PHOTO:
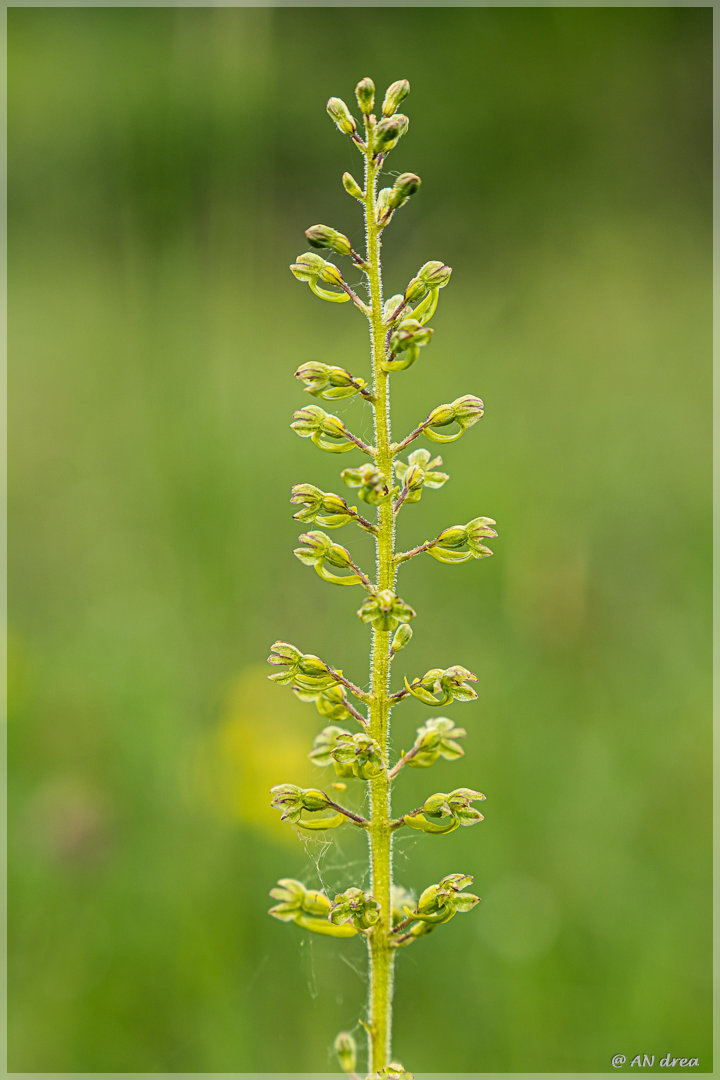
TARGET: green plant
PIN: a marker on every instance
(388, 917)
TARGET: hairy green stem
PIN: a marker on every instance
(380, 949)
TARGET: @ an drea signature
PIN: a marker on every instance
(646, 1061)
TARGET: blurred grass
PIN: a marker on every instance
(163, 165)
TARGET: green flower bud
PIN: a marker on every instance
(313, 799)
(402, 637)
(327, 382)
(464, 412)
(394, 96)
(437, 738)
(382, 205)
(385, 611)
(435, 274)
(371, 482)
(441, 686)
(318, 546)
(352, 187)
(331, 275)
(288, 799)
(320, 552)
(405, 186)
(304, 671)
(468, 410)
(294, 897)
(440, 903)
(355, 906)
(307, 908)
(388, 133)
(325, 430)
(312, 269)
(324, 507)
(346, 1051)
(322, 236)
(365, 94)
(448, 547)
(424, 286)
(341, 115)
(294, 802)
(313, 667)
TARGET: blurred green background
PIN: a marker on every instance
(164, 163)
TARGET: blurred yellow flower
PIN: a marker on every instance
(263, 733)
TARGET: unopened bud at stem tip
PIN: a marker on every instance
(352, 187)
(394, 96)
(341, 115)
(365, 94)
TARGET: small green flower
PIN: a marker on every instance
(313, 269)
(294, 802)
(432, 275)
(304, 670)
(444, 812)
(322, 428)
(406, 340)
(360, 753)
(324, 507)
(320, 552)
(322, 751)
(419, 472)
(385, 611)
(437, 738)
(440, 903)
(356, 907)
(448, 548)
(464, 411)
(329, 382)
(307, 908)
(440, 686)
(373, 484)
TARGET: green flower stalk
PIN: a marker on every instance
(387, 915)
